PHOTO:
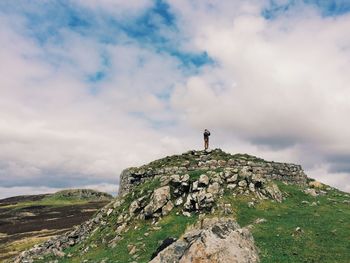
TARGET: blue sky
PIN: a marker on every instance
(91, 87)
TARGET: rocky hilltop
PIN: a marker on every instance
(209, 206)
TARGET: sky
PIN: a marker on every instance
(90, 87)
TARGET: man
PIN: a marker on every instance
(206, 139)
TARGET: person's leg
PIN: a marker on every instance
(205, 144)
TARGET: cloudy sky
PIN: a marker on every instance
(89, 87)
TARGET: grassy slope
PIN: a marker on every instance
(325, 227)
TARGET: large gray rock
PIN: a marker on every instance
(159, 199)
(215, 240)
(274, 192)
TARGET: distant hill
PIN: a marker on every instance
(30, 219)
(210, 206)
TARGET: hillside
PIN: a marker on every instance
(211, 207)
(31, 219)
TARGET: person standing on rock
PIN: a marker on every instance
(206, 139)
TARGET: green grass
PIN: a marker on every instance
(325, 227)
(47, 201)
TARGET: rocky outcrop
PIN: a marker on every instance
(243, 166)
(212, 241)
(84, 194)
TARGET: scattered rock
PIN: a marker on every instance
(297, 231)
(316, 184)
(214, 188)
(203, 180)
(231, 186)
(179, 201)
(109, 211)
(242, 183)
(311, 191)
(188, 214)
(232, 179)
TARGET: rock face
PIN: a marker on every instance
(214, 241)
(243, 166)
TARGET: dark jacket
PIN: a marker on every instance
(206, 135)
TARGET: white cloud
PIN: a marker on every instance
(279, 83)
(55, 132)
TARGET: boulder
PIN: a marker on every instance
(214, 188)
(214, 240)
(245, 172)
(167, 208)
(159, 199)
(232, 179)
(316, 184)
(203, 180)
(134, 206)
(311, 191)
(242, 183)
(274, 192)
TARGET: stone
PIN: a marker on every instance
(252, 187)
(311, 191)
(231, 186)
(132, 249)
(186, 214)
(185, 163)
(195, 186)
(109, 211)
(160, 197)
(232, 179)
(274, 192)
(164, 180)
(242, 183)
(175, 179)
(214, 188)
(260, 221)
(179, 201)
(185, 178)
(216, 240)
(203, 180)
(167, 208)
(221, 163)
(245, 172)
(258, 180)
(227, 209)
(297, 231)
(250, 204)
(316, 184)
(134, 206)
